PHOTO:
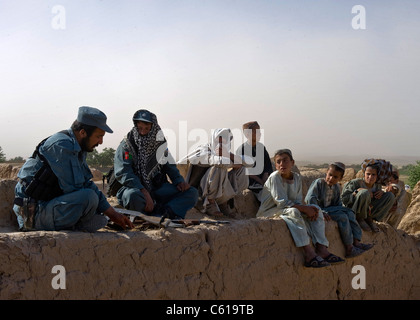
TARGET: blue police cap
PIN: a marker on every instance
(93, 117)
(143, 115)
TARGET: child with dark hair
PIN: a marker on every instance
(325, 192)
(253, 148)
(282, 197)
(366, 198)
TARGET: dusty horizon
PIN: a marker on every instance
(323, 78)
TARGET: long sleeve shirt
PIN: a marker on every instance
(68, 162)
(317, 194)
(260, 156)
(280, 194)
(124, 168)
(348, 195)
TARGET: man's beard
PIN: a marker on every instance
(84, 145)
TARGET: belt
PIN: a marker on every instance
(20, 201)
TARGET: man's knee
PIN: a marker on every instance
(65, 211)
(192, 195)
(87, 197)
(363, 194)
(133, 199)
(389, 197)
(340, 218)
(293, 212)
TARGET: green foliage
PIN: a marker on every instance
(103, 159)
(405, 170)
(2, 156)
(413, 174)
(16, 160)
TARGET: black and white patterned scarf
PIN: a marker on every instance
(151, 149)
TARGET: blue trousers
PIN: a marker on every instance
(65, 211)
(167, 194)
(347, 223)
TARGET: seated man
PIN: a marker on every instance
(55, 190)
(262, 168)
(142, 163)
(224, 176)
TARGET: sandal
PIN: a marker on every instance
(355, 251)
(316, 262)
(333, 259)
(365, 246)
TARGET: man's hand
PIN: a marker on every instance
(149, 201)
(326, 216)
(183, 186)
(310, 211)
(118, 218)
(378, 194)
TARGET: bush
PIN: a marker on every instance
(414, 175)
(103, 159)
(2, 156)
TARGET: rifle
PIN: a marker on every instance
(157, 221)
(190, 222)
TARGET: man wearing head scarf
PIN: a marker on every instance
(55, 190)
(225, 176)
(253, 148)
(142, 164)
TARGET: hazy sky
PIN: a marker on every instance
(314, 83)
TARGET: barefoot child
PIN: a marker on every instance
(325, 193)
(282, 197)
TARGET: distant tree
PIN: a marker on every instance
(106, 157)
(92, 158)
(405, 170)
(16, 160)
(2, 156)
(103, 159)
(414, 175)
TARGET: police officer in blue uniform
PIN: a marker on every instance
(143, 164)
(73, 201)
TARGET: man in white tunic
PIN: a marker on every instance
(224, 176)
